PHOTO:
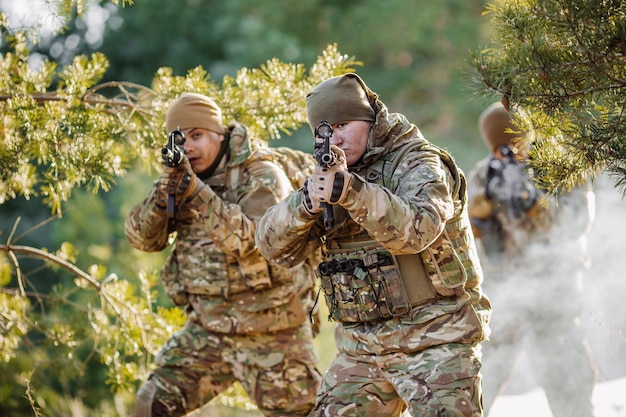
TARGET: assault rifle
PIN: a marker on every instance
(510, 183)
(173, 155)
(325, 158)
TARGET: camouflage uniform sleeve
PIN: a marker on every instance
(479, 206)
(408, 220)
(146, 226)
(232, 225)
(287, 234)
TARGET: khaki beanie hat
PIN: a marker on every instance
(494, 124)
(193, 110)
(339, 99)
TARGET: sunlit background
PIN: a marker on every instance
(413, 55)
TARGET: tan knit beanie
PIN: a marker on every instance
(339, 99)
(193, 110)
(494, 124)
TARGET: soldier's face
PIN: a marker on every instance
(202, 147)
(351, 136)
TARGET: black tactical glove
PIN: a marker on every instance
(179, 181)
(328, 184)
(313, 206)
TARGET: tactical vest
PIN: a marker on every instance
(362, 281)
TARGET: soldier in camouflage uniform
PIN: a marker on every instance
(400, 272)
(247, 320)
(533, 257)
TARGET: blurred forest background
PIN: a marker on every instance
(415, 54)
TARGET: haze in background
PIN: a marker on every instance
(604, 288)
(605, 282)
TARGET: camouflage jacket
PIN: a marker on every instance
(549, 235)
(412, 211)
(214, 266)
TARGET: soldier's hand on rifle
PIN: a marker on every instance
(329, 184)
(179, 181)
(312, 205)
(510, 183)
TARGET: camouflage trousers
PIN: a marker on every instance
(277, 370)
(440, 381)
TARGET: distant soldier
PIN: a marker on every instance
(533, 255)
(247, 320)
(400, 271)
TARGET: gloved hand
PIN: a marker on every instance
(312, 206)
(511, 184)
(328, 184)
(180, 181)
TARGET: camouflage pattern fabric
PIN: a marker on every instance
(195, 365)
(228, 289)
(533, 274)
(413, 210)
(438, 381)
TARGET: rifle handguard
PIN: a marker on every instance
(324, 158)
(173, 155)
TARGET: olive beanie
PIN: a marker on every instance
(496, 127)
(339, 99)
(193, 110)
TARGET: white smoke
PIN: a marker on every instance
(603, 319)
(604, 285)
(605, 282)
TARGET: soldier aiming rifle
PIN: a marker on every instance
(510, 182)
(535, 257)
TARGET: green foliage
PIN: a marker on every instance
(66, 137)
(565, 64)
(113, 317)
(220, 36)
(13, 323)
(85, 134)
(268, 100)
(64, 9)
